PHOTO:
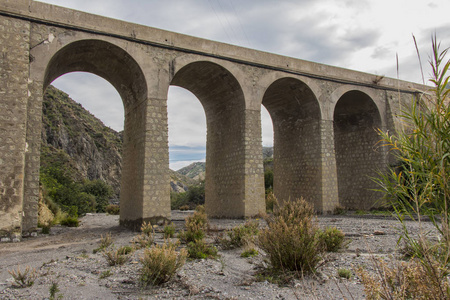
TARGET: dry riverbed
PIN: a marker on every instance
(66, 257)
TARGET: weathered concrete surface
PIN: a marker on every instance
(324, 117)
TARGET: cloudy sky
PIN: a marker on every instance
(364, 35)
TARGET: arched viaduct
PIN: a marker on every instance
(324, 117)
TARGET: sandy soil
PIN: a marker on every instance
(66, 257)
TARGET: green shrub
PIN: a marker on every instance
(345, 273)
(290, 240)
(249, 252)
(72, 211)
(332, 239)
(160, 263)
(101, 191)
(125, 250)
(169, 231)
(199, 249)
(86, 203)
(268, 179)
(113, 209)
(241, 235)
(193, 233)
(62, 185)
(195, 195)
(70, 221)
(178, 200)
(46, 229)
(105, 274)
(53, 291)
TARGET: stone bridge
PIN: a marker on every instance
(324, 117)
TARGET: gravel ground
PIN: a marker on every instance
(65, 257)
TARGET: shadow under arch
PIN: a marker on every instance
(223, 101)
(296, 116)
(356, 118)
(117, 67)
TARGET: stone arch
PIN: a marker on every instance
(340, 91)
(356, 118)
(223, 100)
(272, 77)
(116, 66)
(296, 115)
(103, 59)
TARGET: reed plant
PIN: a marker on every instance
(418, 187)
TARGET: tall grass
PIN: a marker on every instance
(419, 186)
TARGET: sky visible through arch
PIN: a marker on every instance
(363, 35)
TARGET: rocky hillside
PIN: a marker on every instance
(83, 144)
(95, 151)
(195, 171)
(179, 182)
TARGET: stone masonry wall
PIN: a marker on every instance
(32, 158)
(225, 166)
(329, 183)
(254, 169)
(156, 201)
(131, 187)
(14, 59)
(297, 162)
(357, 160)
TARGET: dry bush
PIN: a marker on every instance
(160, 263)
(196, 226)
(270, 201)
(115, 257)
(45, 215)
(146, 238)
(147, 228)
(405, 280)
(290, 240)
(184, 207)
(113, 209)
(25, 278)
(105, 242)
(142, 241)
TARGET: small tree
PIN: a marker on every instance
(102, 192)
